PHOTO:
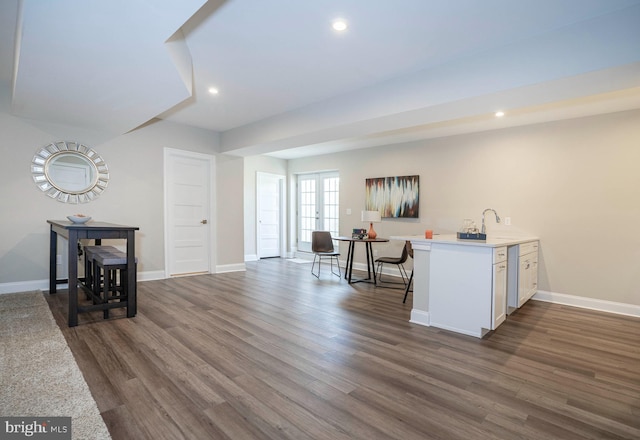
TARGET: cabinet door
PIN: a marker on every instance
(527, 278)
(533, 276)
(499, 306)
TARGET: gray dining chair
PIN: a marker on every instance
(398, 261)
(410, 252)
(322, 247)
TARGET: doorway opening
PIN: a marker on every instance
(270, 221)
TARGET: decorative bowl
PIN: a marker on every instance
(78, 218)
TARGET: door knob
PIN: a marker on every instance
(204, 222)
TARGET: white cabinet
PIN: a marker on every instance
(523, 282)
(468, 286)
(499, 288)
(527, 276)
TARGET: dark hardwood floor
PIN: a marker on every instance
(274, 353)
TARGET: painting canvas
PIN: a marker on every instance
(393, 197)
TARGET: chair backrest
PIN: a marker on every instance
(405, 254)
(321, 241)
(409, 248)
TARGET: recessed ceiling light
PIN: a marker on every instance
(499, 114)
(213, 90)
(339, 25)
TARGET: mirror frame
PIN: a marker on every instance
(45, 156)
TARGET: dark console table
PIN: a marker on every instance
(95, 231)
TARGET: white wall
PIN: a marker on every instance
(134, 195)
(573, 183)
(230, 212)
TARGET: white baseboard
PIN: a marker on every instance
(588, 303)
(240, 267)
(151, 275)
(251, 258)
(420, 317)
(417, 316)
(388, 270)
(30, 286)
(27, 286)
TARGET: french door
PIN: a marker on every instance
(318, 206)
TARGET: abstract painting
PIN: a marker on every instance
(393, 197)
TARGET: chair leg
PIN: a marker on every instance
(96, 280)
(380, 271)
(319, 259)
(106, 290)
(339, 274)
(403, 273)
(88, 275)
(406, 292)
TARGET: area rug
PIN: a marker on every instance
(39, 376)
(299, 260)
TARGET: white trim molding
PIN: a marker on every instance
(27, 286)
(588, 303)
(239, 267)
(151, 275)
(30, 286)
(420, 317)
(417, 316)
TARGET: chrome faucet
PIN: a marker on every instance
(484, 228)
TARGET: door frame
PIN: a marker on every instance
(319, 176)
(168, 155)
(281, 208)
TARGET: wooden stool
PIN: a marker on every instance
(111, 268)
(89, 253)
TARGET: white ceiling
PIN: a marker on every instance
(290, 86)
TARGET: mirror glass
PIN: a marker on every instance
(69, 172)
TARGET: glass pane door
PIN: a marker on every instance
(307, 210)
(318, 206)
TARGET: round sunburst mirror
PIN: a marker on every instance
(69, 172)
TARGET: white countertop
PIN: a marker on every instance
(496, 240)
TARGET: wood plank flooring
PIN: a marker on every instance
(274, 353)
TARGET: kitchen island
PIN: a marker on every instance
(469, 286)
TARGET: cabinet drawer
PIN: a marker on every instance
(527, 248)
(499, 254)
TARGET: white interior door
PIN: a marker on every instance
(188, 189)
(269, 234)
